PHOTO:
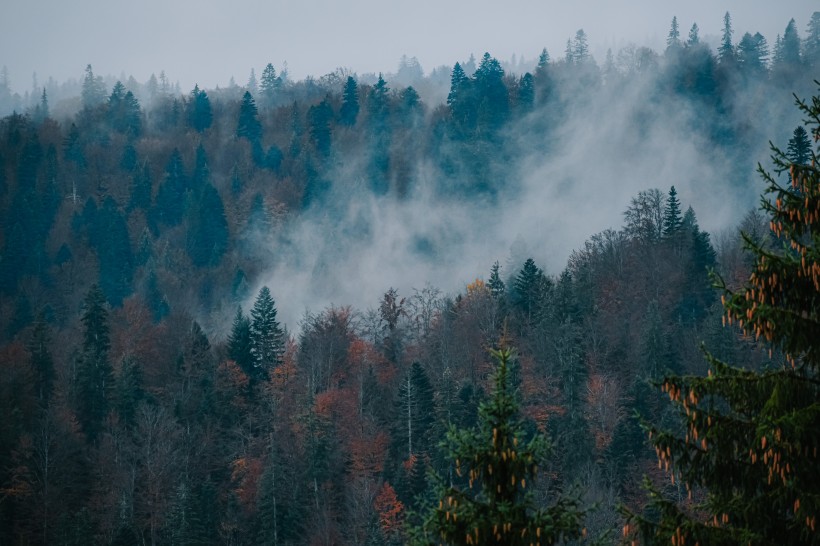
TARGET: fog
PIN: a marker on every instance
(609, 147)
(213, 41)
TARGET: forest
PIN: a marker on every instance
(283, 312)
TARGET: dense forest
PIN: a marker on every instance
(150, 240)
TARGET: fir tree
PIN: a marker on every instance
(500, 463)
(350, 103)
(200, 115)
(693, 38)
(248, 125)
(673, 38)
(266, 336)
(94, 371)
(726, 51)
(239, 343)
(416, 411)
(672, 214)
(750, 438)
(495, 284)
(799, 148)
(270, 84)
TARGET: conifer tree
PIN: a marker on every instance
(269, 85)
(350, 103)
(799, 148)
(751, 438)
(672, 214)
(500, 462)
(94, 371)
(267, 343)
(239, 343)
(416, 410)
(495, 284)
(726, 51)
(673, 38)
(693, 38)
(200, 115)
(248, 125)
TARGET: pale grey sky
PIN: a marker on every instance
(208, 41)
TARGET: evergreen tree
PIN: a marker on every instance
(530, 289)
(207, 228)
(750, 438)
(811, 45)
(200, 115)
(500, 463)
(320, 116)
(495, 284)
(240, 345)
(799, 148)
(109, 236)
(42, 363)
(673, 38)
(93, 91)
(248, 125)
(526, 92)
(416, 414)
(170, 201)
(94, 371)
(752, 53)
(128, 391)
(350, 103)
(580, 48)
(266, 336)
(672, 214)
(270, 85)
(253, 85)
(693, 38)
(726, 51)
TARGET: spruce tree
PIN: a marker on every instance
(750, 438)
(94, 371)
(266, 336)
(495, 284)
(350, 103)
(726, 51)
(671, 214)
(799, 148)
(239, 343)
(499, 462)
(248, 125)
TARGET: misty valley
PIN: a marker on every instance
(562, 302)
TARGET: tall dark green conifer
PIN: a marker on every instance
(94, 371)
(799, 148)
(499, 462)
(248, 125)
(350, 103)
(671, 214)
(266, 336)
(749, 438)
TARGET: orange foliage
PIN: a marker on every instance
(389, 508)
(604, 408)
(246, 473)
(363, 356)
(367, 454)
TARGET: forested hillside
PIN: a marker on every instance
(155, 392)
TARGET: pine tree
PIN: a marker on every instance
(200, 115)
(350, 103)
(270, 85)
(248, 125)
(239, 343)
(672, 214)
(673, 38)
(693, 38)
(94, 371)
(526, 92)
(750, 438)
(416, 413)
(42, 362)
(726, 51)
(500, 464)
(799, 148)
(530, 289)
(495, 284)
(266, 336)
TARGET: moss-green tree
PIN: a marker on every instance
(500, 463)
(751, 438)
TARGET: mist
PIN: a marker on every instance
(566, 184)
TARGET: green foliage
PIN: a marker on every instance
(799, 148)
(200, 115)
(239, 343)
(266, 336)
(350, 103)
(671, 214)
(94, 371)
(248, 125)
(750, 438)
(500, 464)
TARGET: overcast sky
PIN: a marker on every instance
(208, 41)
